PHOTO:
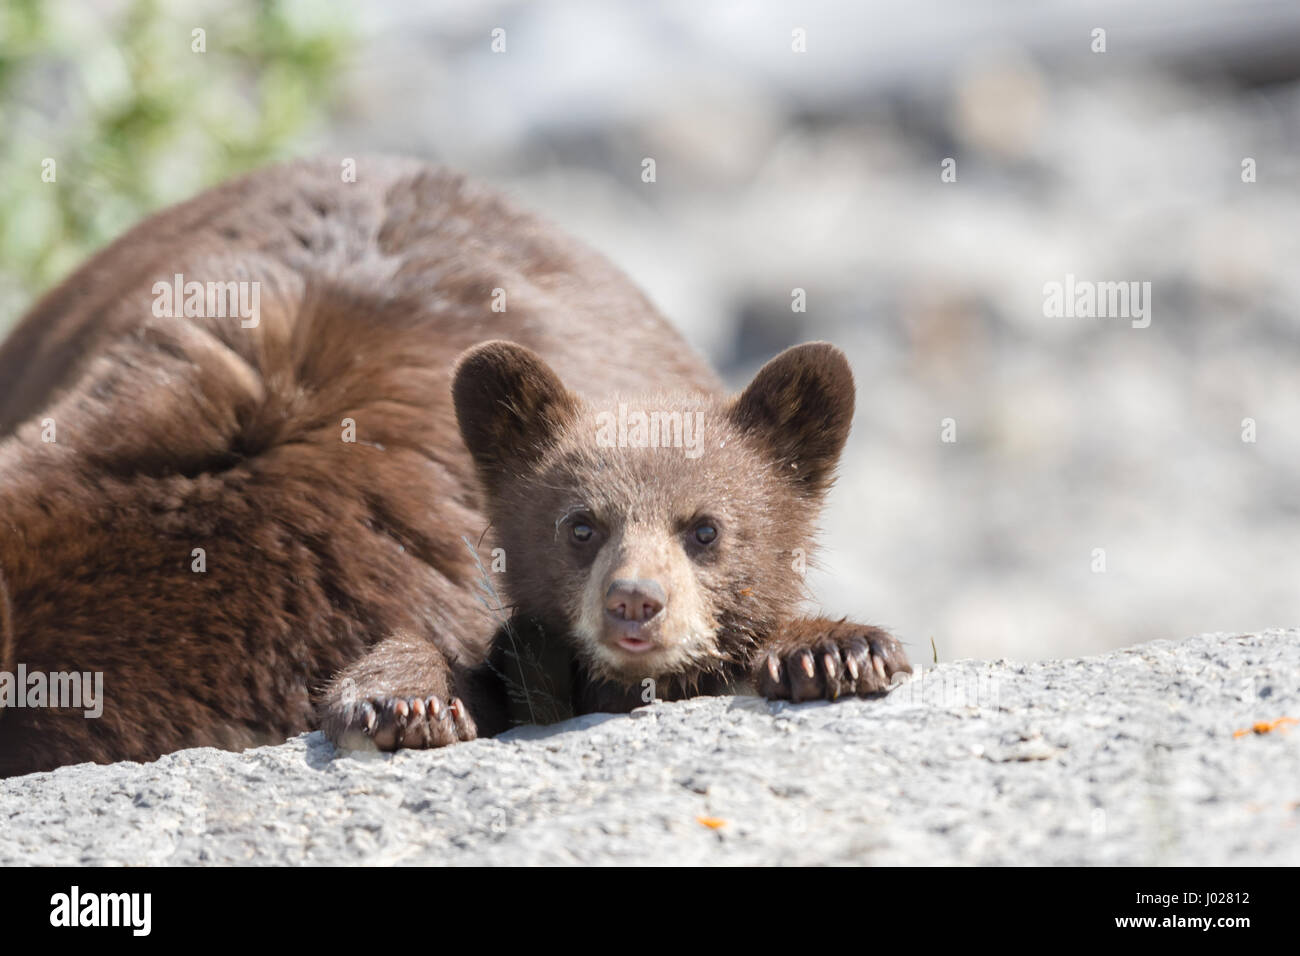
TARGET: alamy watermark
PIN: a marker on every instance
(655, 429)
(208, 300)
(948, 688)
(1084, 299)
(76, 690)
(75, 908)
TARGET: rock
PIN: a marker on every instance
(1166, 753)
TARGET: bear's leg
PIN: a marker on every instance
(819, 658)
(402, 693)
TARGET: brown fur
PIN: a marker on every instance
(340, 591)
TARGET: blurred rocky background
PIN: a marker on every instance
(1098, 492)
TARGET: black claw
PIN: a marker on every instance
(830, 662)
(368, 718)
(807, 664)
(437, 709)
(857, 657)
(879, 665)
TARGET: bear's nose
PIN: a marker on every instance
(634, 600)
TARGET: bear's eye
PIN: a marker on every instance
(706, 533)
(581, 532)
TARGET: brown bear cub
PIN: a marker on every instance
(363, 447)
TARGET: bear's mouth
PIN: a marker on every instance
(634, 644)
(629, 655)
(632, 637)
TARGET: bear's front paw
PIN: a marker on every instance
(822, 660)
(416, 723)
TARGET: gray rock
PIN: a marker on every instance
(1134, 757)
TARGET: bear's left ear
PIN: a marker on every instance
(510, 406)
(800, 406)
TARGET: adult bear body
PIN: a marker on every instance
(253, 525)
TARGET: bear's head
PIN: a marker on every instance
(661, 534)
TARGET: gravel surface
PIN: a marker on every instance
(1141, 756)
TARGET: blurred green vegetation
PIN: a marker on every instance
(135, 118)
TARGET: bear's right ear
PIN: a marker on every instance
(510, 406)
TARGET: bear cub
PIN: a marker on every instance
(652, 545)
